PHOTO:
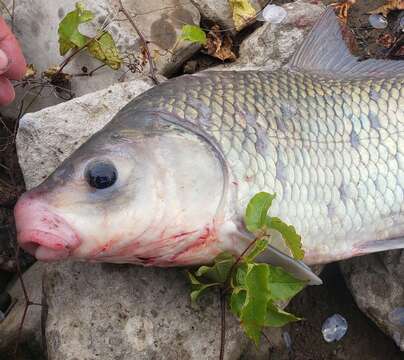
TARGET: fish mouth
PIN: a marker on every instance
(41, 232)
(44, 245)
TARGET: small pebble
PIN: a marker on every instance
(334, 328)
(401, 23)
(273, 14)
(378, 21)
(396, 316)
(288, 340)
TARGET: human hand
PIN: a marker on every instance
(12, 63)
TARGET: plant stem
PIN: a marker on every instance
(143, 40)
(231, 272)
(3, 5)
(91, 73)
(74, 53)
(222, 295)
(28, 302)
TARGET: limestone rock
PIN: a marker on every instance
(128, 312)
(219, 11)
(377, 283)
(47, 137)
(36, 26)
(31, 339)
(273, 45)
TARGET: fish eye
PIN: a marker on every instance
(101, 174)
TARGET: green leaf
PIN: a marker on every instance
(282, 285)
(277, 318)
(104, 49)
(237, 301)
(197, 287)
(253, 314)
(193, 34)
(259, 247)
(219, 271)
(292, 239)
(241, 273)
(255, 217)
(69, 34)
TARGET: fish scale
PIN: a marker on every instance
(332, 151)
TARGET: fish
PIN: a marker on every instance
(167, 180)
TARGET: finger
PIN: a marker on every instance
(4, 62)
(7, 93)
(9, 44)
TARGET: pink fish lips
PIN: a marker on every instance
(41, 232)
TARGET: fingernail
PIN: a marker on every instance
(4, 61)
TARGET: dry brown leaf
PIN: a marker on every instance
(55, 76)
(219, 44)
(386, 40)
(390, 5)
(342, 8)
(30, 72)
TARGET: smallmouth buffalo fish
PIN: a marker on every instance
(166, 182)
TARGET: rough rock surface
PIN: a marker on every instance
(219, 11)
(36, 26)
(47, 137)
(129, 312)
(377, 283)
(272, 45)
(31, 338)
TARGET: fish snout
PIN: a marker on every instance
(41, 232)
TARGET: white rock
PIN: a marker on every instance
(47, 137)
(219, 11)
(127, 312)
(36, 26)
(272, 45)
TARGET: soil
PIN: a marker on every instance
(11, 187)
(315, 304)
(363, 339)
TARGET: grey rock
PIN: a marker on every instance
(272, 45)
(47, 137)
(128, 312)
(160, 21)
(377, 283)
(220, 12)
(31, 338)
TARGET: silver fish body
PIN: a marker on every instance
(166, 182)
(332, 151)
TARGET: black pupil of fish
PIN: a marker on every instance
(101, 175)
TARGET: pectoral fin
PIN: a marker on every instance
(297, 268)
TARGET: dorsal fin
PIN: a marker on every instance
(325, 53)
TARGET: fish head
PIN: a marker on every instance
(146, 189)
